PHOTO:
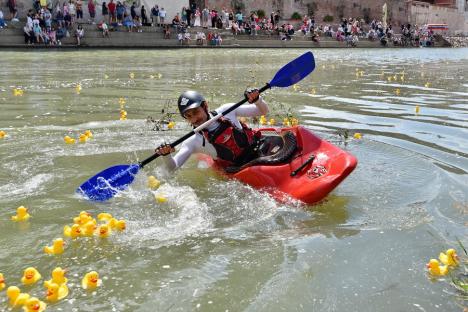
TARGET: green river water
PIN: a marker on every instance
(216, 244)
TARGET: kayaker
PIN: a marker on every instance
(228, 141)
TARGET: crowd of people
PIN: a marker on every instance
(48, 25)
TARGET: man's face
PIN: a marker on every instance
(196, 116)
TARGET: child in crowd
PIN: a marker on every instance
(105, 29)
(79, 34)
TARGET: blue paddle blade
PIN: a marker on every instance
(294, 71)
(109, 182)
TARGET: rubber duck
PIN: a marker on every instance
(397, 91)
(34, 305)
(357, 136)
(103, 231)
(58, 277)
(160, 198)
(402, 78)
(312, 91)
(30, 276)
(56, 292)
(122, 101)
(17, 92)
(88, 228)
(131, 75)
(56, 248)
(2, 282)
(295, 87)
(69, 140)
(434, 268)
(106, 76)
(91, 280)
(449, 258)
(159, 75)
(89, 134)
(123, 115)
(389, 79)
(104, 216)
(416, 109)
(361, 73)
(151, 76)
(121, 225)
(2, 134)
(83, 218)
(263, 120)
(83, 138)
(286, 122)
(16, 298)
(294, 122)
(153, 183)
(171, 125)
(74, 231)
(427, 85)
(21, 214)
(271, 122)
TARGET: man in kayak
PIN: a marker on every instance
(229, 141)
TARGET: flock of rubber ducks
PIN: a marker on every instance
(82, 138)
(287, 121)
(449, 260)
(56, 288)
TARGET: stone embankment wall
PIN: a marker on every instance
(458, 42)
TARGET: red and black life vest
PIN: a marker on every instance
(233, 146)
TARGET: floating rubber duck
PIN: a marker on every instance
(103, 231)
(18, 92)
(2, 282)
(389, 78)
(295, 87)
(397, 91)
(286, 122)
(171, 125)
(294, 122)
(83, 138)
(123, 114)
(89, 228)
(104, 216)
(69, 140)
(21, 214)
(434, 268)
(271, 122)
(74, 231)
(159, 75)
(2, 134)
(91, 280)
(121, 225)
(58, 277)
(263, 120)
(131, 75)
(357, 136)
(427, 85)
(122, 101)
(416, 109)
(160, 198)
(361, 73)
(34, 305)
(89, 134)
(56, 292)
(83, 218)
(153, 183)
(30, 276)
(151, 76)
(56, 248)
(312, 91)
(16, 298)
(402, 78)
(78, 89)
(106, 76)
(449, 258)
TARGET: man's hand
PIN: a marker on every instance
(252, 95)
(164, 149)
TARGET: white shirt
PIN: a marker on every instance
(194, 144)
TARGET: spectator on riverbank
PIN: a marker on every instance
(79, 9)
(13, 11)
(128, 22)
(112, 7)
(79, 34)
(144, 17)
(72, 11)
(201, 38)
(162, 16)
(155, 15)
(105, 11)
(105, 29)
(28, 35)
(133, 10)
(205, 17)
(2, 20)
(91, 10)
(120, 12)
(167, 32)
(137, 24)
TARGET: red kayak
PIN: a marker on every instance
(310, 169)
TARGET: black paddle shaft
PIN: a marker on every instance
(188, 135)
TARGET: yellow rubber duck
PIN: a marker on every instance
(56, 292)
(89, 228)
(18, 92)
(74, 231)
(2, 134)
(294, 122)
(271, 122)
(389, 78)
(123, 115)
(56, 248)
(159, 75)
(34, 305)
(91, 280)
(131, 75)
(397, 91)
(434, 268)
(286, 122)
(263, 120)
(106, 76)
(103, 231)
(83, 218)
(160, 198)
(313, 91)
(417, 109)
(78, 89)
(151, 76)
(83, 138)
(171, 125)
(449, 258)
(2, 282)
(357, 136)
(16, 298)
(30, 276)
(122, 101)
(58, 277)
(121, 225)
(21, 214)
(89, 134)
(295, 87)
(69, 140)
(153, 183)
(104, 216)
(427, 85)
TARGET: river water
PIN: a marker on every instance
(218, 245)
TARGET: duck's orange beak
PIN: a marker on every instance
(93, 280)
(49, 293)
(428, 266)
(29, 275)
(2, 280)
(36, 307)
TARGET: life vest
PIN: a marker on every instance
(233, 146)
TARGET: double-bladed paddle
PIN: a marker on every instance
(110, 181)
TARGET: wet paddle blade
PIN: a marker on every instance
(294, 71)
(109, 182)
